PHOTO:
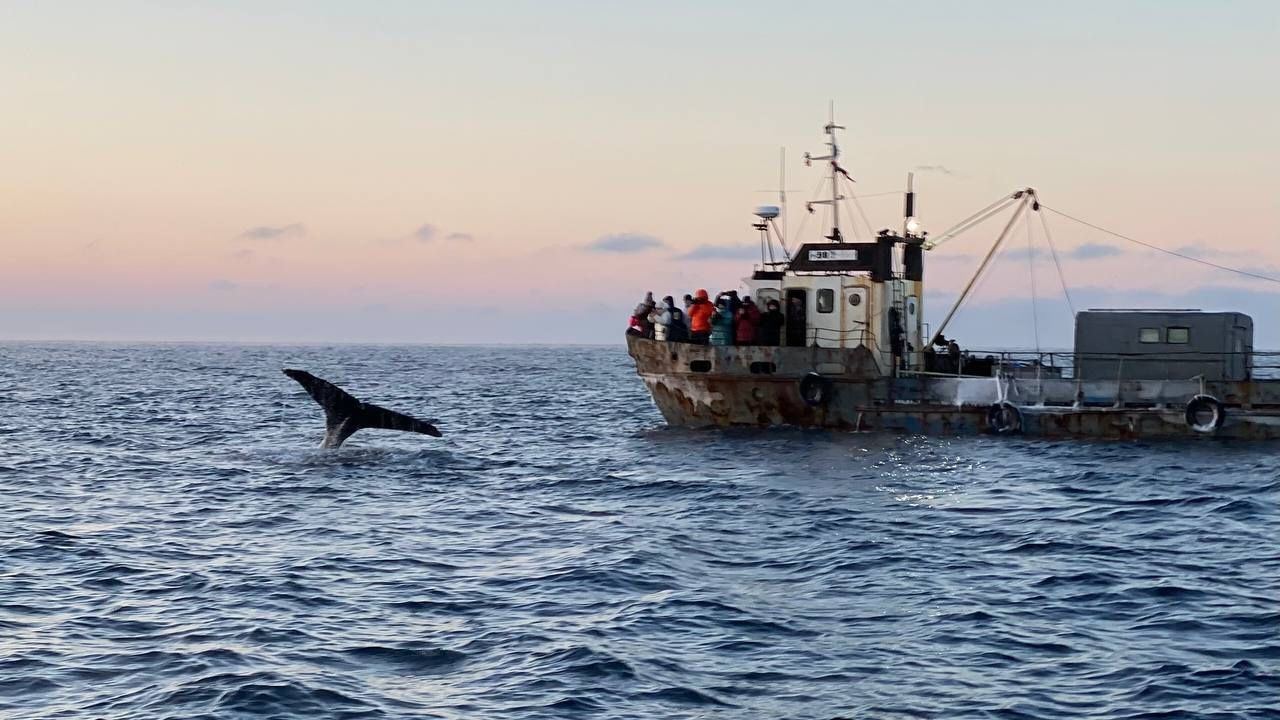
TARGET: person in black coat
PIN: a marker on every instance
(797, 322)
(770, 332)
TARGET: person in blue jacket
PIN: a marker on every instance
(722, 323)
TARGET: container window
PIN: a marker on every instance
(826, 301)
(1149, 335)
(1178, 335)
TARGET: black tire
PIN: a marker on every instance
(1205, 414)
(1004, 418)
(815, 390)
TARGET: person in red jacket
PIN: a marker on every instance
(700, 318)
(746, 322)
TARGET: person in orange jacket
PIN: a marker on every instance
(700, 318)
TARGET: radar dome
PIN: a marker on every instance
(768, 212)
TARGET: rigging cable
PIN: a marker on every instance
(882, 194)
(1157, 248)
(809, 209)
(1023, 200)
(1031, 264)
(1054, 252)
(871, 232)
(973, 220)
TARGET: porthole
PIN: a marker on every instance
(855, 299)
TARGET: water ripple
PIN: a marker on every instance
(175, 546)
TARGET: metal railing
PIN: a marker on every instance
(856, 336)
(1257, 365)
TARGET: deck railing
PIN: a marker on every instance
(1256, 365)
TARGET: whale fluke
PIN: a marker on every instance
(344, 414)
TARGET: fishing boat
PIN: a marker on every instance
(857, 355)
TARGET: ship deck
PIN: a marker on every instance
(720, 386)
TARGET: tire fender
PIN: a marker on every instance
(815, 390)
(1205, 414)
(1004, 418)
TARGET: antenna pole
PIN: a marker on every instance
(834, 159)
(782, 186)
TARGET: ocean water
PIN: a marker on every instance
(173, 545)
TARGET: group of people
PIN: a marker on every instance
(730, 320)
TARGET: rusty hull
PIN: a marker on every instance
(760, 387)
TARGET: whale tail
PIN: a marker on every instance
(344, 414)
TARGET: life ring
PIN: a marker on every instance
(1004, 418)
(1205, 414)
(815, 390)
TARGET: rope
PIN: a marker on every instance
(882, 194)
(972, 221)
(800, 232)
(1054, 252)
(871, 232)
(1031, 264)
(1023, 201)
(1157, 248)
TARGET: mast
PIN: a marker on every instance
(833, 157)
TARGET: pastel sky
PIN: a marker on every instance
(524, 171)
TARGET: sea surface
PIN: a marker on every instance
(174, 545)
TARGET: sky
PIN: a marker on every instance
(524, 171)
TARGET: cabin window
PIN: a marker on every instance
(1149, 335)
(763, 368)
(700, 365)
(1178, 335)
(826, 301)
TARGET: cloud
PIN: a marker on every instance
(223, 285)
(940, 169)
(951, 257)
(426, 233)
(1020, 254)
(1093, 251)
(1203, 250)
(722, 252)
(624, 243)
(279, 232)
(243, 255)
(1087, 251)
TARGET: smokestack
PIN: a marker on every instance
(910, 211)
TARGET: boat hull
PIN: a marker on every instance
(697, 386)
